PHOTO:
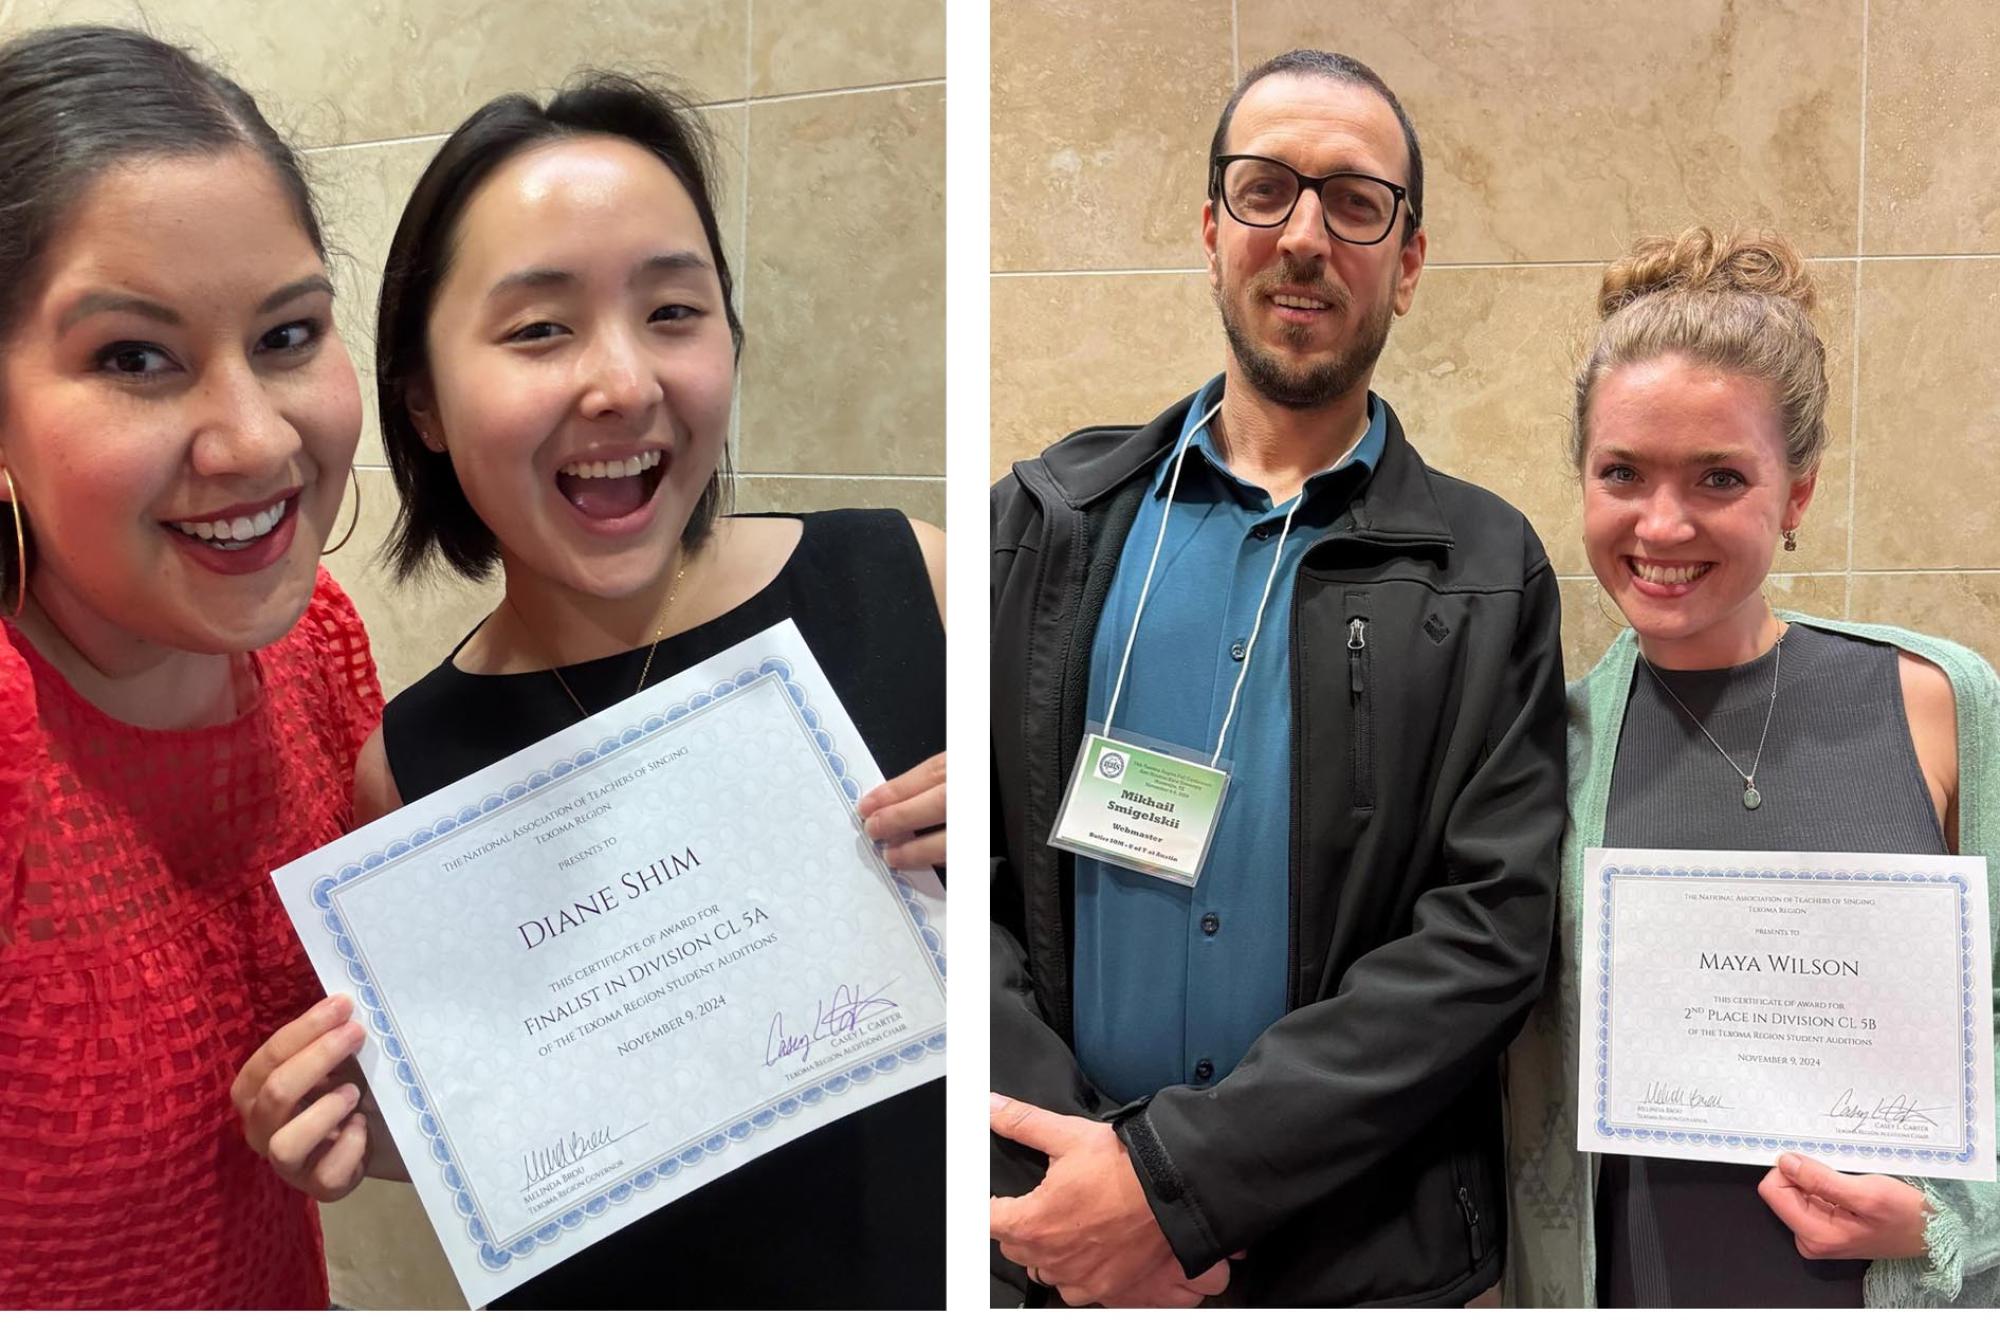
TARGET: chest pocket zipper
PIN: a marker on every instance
(1362, 699)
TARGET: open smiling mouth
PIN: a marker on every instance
(1672, 580)
(240, 543)
(239, 533)
(611, 488)
(1300, 317)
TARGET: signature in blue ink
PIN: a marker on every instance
(840, 1013)
(1896, 1113)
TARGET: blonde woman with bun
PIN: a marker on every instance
(1698, 431)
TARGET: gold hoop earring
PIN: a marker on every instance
(1791, 539)
(355, 478)
(20, 541)
(1597, 600)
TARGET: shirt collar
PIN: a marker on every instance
(1367, 452)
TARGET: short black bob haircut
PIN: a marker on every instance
(436, 521)
(76, 102)
(1337, 68)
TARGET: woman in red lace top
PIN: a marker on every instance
(182, 691)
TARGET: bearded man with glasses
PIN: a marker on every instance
(1247, 1051)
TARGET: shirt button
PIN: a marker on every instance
(1262, 534)
(1204, 1070)
(1236, 650)
(1210, 924)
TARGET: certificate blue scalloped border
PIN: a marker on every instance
(496, 1258)
(1871, 1153)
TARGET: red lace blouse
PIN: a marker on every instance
(143, 957)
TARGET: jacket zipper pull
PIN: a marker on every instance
(1357, 639)
(1471, 1211)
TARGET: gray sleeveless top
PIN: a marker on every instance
(1839, 774)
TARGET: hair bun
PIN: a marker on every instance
(1755, 263)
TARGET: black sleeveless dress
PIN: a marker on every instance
(1839, 774)
(851, 1215)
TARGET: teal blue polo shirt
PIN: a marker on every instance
(1172, 985)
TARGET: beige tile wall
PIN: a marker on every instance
(830, 120)
(1554, 132)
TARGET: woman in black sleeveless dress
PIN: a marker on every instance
(851, 1214)
(556, 359)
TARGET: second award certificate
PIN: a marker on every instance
(1739, 1005)
(630, 958)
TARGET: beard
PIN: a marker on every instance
(1317, 382)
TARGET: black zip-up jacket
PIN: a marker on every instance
(1355, 1152)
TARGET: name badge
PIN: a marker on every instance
(1141, 808)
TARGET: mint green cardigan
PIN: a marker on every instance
(1552, 1244)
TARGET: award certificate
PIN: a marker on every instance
(630, 958)
(1737, 1005)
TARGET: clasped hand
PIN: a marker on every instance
(1834, 1215)
(1087, 1229)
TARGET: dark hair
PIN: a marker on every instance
(1340, 69)
(437, 521)
(76, 101)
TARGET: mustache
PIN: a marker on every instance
(1313, 278)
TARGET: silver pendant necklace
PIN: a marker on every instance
(1752, 798)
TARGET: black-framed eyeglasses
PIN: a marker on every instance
(1262, 192)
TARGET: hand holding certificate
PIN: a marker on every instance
(628, 959)
(1741, 1005)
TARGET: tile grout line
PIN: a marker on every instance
(735, 450)
(1854, 337)
(1983, 255)
(397, 141)
(1472, 265)
(1522, 263)
(439, 136)
(1091, 272)
(849, 92)
(837, 476)
(1888, 573)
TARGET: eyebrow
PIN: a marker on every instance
(1706, 458)
(532, 279)
(292, 291)
(1349, 166)
(95, 303)
(99, 302)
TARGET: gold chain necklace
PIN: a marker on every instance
(645, 670)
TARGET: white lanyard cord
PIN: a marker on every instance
(1255, 625)
(1146, 587)
(1166, 513)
